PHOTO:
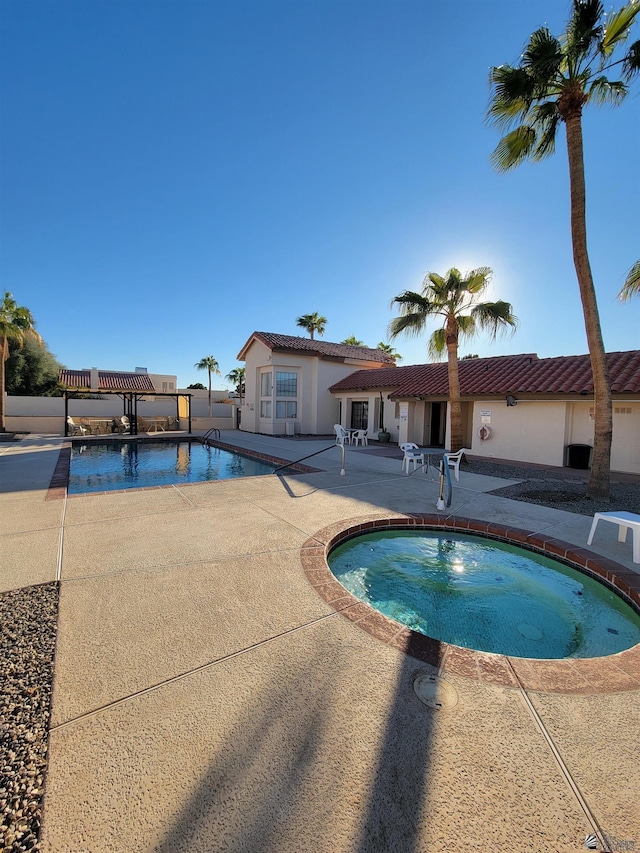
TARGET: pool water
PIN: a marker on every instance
(109, 466)
(485, 595)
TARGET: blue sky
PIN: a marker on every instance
(176, 175)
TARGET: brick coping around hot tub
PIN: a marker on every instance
(614, 673)
(60, 478)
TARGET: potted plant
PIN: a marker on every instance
(383, 435)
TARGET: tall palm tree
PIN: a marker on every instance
(312, 323)
(236, 376)
(390, 350)
(453, 298)
(631, 287)
(555, 79)
(16, 324)
(352, 341)
(209, 364)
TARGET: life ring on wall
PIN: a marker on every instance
(484, 432)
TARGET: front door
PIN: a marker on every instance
(438, 424)
(359, 414)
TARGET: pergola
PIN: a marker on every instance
(130, 405)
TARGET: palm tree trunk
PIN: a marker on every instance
(454, 386)
(600, 477)
(209, 371)
(3, 357)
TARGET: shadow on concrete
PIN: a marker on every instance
(297, 772)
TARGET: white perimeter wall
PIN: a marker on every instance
(46, 414)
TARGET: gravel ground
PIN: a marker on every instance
(28, 622)
(559, 488)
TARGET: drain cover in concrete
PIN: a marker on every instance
(530, 631)
(435, 692)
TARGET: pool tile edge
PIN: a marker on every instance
(611, 674)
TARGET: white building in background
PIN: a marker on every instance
(287, 381)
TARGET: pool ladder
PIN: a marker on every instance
(214, 431)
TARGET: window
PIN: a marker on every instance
(265, 408)
(286, 384)
(265, 384)
(287, 409)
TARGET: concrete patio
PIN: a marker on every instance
(207, 699)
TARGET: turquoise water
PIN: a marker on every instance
(109, 466)
(485, 595)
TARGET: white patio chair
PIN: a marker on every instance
(76, 429)
(412, 455)
(360, 435)
(453, 461)
(342, 436)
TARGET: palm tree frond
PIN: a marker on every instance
(631, 286)
(631, 62)
(513, 91)
(514, 148)
(543, 57)
(547, 130)
(495, 317)
(617, 28)
(411, 324)
(466, 325)
(604, 91)
(437, 344)
(410, 301)
(584, 32)
(478, 280)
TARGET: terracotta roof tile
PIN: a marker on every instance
(75, 378)
(511, 374)
(111, 381)
(80, 380)
(321, 349)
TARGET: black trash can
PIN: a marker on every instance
(578, 456)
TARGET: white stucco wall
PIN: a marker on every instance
(529, 432)
(317, 408)
(46, 414)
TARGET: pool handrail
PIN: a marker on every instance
(324, 450)
(216, 434)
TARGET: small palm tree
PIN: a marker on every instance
(352, 341)
(555, 79)
(236, 376)
(312, 323)
(16, 324)
(209, 364)
(631, 286)
(453, 298)
(390, 350)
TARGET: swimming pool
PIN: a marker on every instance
(485, 595)
(113, 465)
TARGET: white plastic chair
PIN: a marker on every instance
(342, 436)
(76, 429)
(453, 461)
(412, 455)
(360, 435)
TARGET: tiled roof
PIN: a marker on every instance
(510, 374)
(80, 380)
(321, 349)
(75, 378)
